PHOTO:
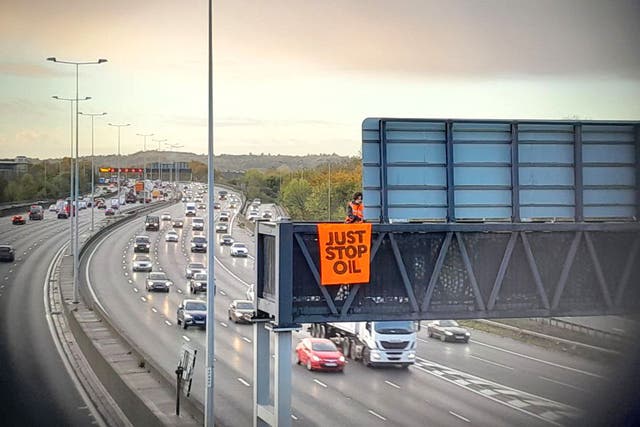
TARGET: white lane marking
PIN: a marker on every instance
(244, 382)
(167, 322)
(154, 309)
(126, 274)
(186, 338)
(375, 414)
(591, 374)
(179, 291)
(564, 384)
(124, 267)
(124, 261)
(224, 324)
(143, 299)
(392, 384)
(246, 339)
(130, 281)
(294, 417)
(317, 381)
(492, 363)
(223, 293)
(459, 416)
(420, 339)
(135, 289)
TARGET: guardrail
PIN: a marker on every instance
(553, 321)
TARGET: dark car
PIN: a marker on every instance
(319, 353)
(142, 244)
(448, 330)
(18, 220)
(178, 223)
(192, 312)
(198, 283)
(241, 311)
(62, 214)
(152, 223)
(7, 253)
(107, 212)
(199, 244)
(36, 213)
(226, 240)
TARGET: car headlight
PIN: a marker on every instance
(188, 317)
(204, 245)
(169, 283)
(467, 334)
(447, 333)
(411, 355)
(315, 358)
(341, 358)
(375, 355)
(193, 245)
(147, 245)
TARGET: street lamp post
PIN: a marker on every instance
(173, 166)
(159, 141)
(93, 168)
(72, 241)
(76, 254)
(119, 126)
(144, 160)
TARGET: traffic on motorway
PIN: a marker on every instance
(451, 375)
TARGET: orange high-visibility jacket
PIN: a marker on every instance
(355, 213)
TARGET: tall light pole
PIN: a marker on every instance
(93, 168)
(329, 191)
(119, 126)
(144, 160)
(209, 418)
(72, 210)
(159, 141)
(76, 254)
(173, 166)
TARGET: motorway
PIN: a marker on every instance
(492, 381)
(36, 388)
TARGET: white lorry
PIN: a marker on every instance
(375, 343)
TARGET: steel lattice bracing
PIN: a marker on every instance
(429, 271)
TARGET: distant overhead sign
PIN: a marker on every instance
(115, 170)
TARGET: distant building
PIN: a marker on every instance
(12, 167)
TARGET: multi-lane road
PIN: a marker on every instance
(492, 381)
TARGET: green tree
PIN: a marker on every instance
(295, 196)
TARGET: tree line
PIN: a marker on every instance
(308, 194)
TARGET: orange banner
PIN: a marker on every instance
(345, 251)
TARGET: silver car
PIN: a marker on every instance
(448, 330)
(171, 236)
(142, 263)
(193, 268)
(158, 282)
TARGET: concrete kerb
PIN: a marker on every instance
(145, 393)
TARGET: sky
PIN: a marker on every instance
(298, 77)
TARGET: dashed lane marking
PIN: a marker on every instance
(317, 381)
(294, 417)
(223, 293)
(167, 322)
(246, 339)
(375, 414)
(130, 281)
(244, 382)
(224, 325)
(154, 309)
(143, 299)
(492, 363)
(459, 416)
(186, 338)
(563, 384)
(392, 384)
(135, 290)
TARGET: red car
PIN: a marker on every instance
(18, 220)
(109, 212)
(319, 353)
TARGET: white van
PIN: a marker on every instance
(190, 209)
(197, 223)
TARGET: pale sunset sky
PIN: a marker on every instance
(299, 76)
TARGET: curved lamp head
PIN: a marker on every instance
(100, 61)
(52, 58)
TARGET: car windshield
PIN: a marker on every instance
(200, 276)
(244, 306)
(5, 249)
(448, 323)
(157, 276)
(142, 258)
(142, 240)
(395, 327)
(200, 240)
(323, 346)
(239, 245)
(173, 233)
(196, 265)
(195, 305)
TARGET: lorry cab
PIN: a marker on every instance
(190, 209)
